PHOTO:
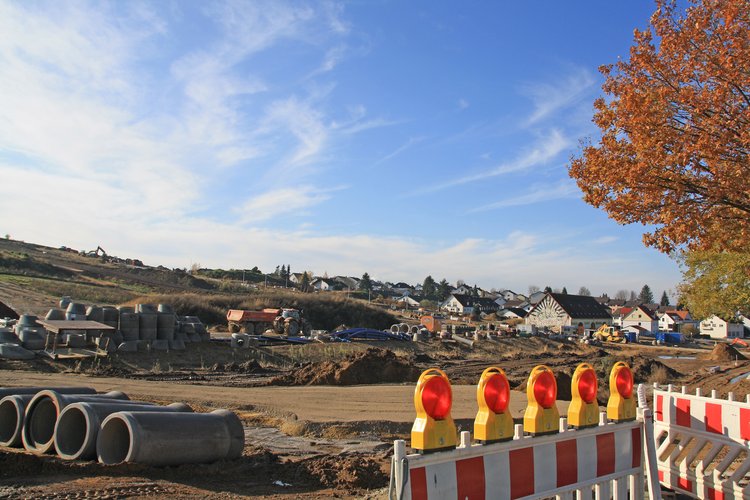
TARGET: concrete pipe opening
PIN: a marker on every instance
(10, 421)
(114, 441)
(42, 422)
(70, 433)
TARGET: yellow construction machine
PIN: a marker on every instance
(608, 333)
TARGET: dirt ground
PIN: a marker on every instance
(319, 418)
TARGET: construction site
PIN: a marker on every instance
(309, 395)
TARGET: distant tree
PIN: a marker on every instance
(475, 291)
(584, 291)
(547, 289)
(533, 289)
(633, 295)
(565, 291)
(428, 304)
(304, 284)
(622, 295)
(646, 296)
(7, 236)
(255, 270)
(716, 283)
(664, 299)
(604, 295)
(443, 289)
(460, 283)
(277, 272)
(476, 314)
(429, 288)
(365, 283)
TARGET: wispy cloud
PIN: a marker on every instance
(412, 141)
(539, 193)
(462, 104)
(605, 240)
(544, 151)
(548, 98)
(289, 200)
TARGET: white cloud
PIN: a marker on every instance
(412, 141)
(462, 104)
(539, 193)
(288, 200)
(548, 98)
(544, 151)
(605, 240)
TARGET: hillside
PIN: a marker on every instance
(34, 277)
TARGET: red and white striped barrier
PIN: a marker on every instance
(702, 444)
(607, 459)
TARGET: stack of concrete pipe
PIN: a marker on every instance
(128, 324)
(75, 311)
(31, 334)
(147, 321)
(79, 424)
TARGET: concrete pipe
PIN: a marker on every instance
(394, 328)
(75, 311)
(147, 325)
(42, 412)
(170, 438)
(165, 326)
(79, 423)
(129, 325)
(403, 328)
(462, 340)
(94, 313)
(165, 308)
(64, 301)
(413, 329)
(55, 314)
(8, 336)
(12, 410)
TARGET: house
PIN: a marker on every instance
(323, 284)
(508, 295)
(347, 282)
(466, 304)
(557, 310)
(408, 302)
(669, 321)
(511, 313)
(296, 278)
(640, 316)
(464, 289)
(718, 328)
(536, 297)
(402, 288)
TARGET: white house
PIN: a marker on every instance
(641, 316)
(408, 302)
(557, 310)
(322, 284)
(466, 304)
(718, 328)
(669, 322)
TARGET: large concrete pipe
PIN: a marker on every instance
(42, 412)
(170, 438)
(10, 391)
(12, 410)
(462, 340)
(79, 423)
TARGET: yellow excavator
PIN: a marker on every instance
(608, 333)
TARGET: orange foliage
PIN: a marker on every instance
(676, 130)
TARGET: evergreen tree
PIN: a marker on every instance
(429, 288)
(365, 283)
(646, 296)
(547, 289)
(664, 299)
(443, 289)
(565, 291)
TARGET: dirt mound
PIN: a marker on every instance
(347, 471)
(372, 366)
(651, 370)
(251, 366)
(725, 352)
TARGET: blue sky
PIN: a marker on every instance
(396, 138)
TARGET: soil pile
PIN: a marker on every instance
(372, 366)
(347, 471)
(251, 366)
(651, 370)
(725, 352)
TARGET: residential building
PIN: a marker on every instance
(640, 316)
(466, 304)
(557, 310)
(718, 328)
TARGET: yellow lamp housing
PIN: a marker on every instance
(541, 415)
(621, 404)
(433, 429)
(584, 409)
(493, 421)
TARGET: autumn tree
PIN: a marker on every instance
(716, 283)
(675, 130)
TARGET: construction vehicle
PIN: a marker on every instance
(287, 322)
(608, 333)
(432, 324)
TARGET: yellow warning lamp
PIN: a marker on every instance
(621, 404)
(541, 416)
(433, 429)
(583, 410)
(493, 421)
